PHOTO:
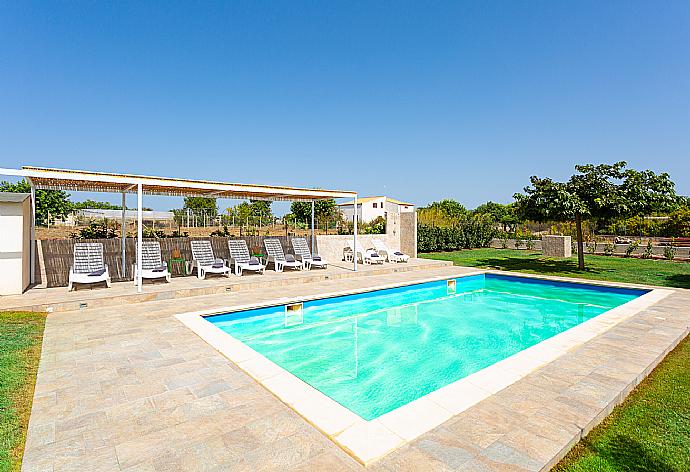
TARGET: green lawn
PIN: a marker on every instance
(649, 432)
(614, 269)
(21, 335)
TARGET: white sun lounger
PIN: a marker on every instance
(275, 253)
(391, 256)
(204, 260)
(152, 266)
(240, 258)
(302, 253)
(367, 256)
(89, 267)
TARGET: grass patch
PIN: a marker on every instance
(21, 336)
(613, 269)
(649, 432)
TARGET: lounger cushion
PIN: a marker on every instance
(160, 269)
(316, 258)
(218, 264)
(97, 273)
(398, 253)
(254, 261)
(289, 258)
(373, 254)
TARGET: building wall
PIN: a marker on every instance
(15, 248)
(401, 235)
(331, 246)
(366, 210)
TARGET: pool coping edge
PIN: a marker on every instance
(368, 441)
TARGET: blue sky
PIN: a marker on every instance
(420, 101)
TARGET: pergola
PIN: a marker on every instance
(88, 181)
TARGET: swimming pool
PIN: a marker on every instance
(374, 352)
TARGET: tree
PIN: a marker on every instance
(596, 191)
(503, 214)
(242, 212)
(203, 204)
(53, 203)
(95, 205)
(260, 208)
(448, 207)
(323, 210)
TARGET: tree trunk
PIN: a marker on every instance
(580, 244)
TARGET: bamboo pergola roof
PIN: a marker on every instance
(80, 180)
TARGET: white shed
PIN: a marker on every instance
(15, 243)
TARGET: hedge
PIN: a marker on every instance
(468, 233)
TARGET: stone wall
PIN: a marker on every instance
(408, 233)
(682, 253)
(556, 246)
(497, 243)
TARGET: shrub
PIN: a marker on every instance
(504, 243)
(630, 250)
(591, 245)
(97, 230)
(647, 250)
(518, 243)
(152, 233)
(468, 232)
(608, 249)
(225, 232)
(670, 251)
(377, 226)
(678, 224)
(529, 243)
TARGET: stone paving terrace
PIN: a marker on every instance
(132, 389)
(124, 293)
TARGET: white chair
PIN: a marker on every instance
(240, 258)
(152, 266)
(303, 253)
(274, 251)
(391, 256)
(89, 266)
(204, 260)
(367, 256)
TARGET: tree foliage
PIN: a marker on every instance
(448, 207)
(95, 204)
(596, 191)
(503, 214)
(260, 208)
(48, 202)
(201, 203)
(323, 210)
(255, 212)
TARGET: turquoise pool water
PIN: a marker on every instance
(376, 351)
